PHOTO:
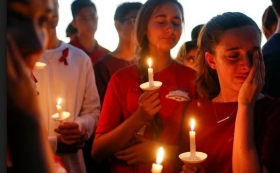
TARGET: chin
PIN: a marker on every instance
(165, 47)
(238, 87)
(89, 32)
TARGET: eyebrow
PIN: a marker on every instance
(49, 10)
(236, 48)
(164, 15)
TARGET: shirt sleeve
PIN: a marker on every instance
(90, 110)
(59, 165)
(111, 113)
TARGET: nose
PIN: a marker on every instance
(246, 63)
(169, 27)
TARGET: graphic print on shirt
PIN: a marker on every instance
(178, 95)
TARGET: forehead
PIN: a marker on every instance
(31, 8)
(242, 37)
(86, 11)
(167, 9)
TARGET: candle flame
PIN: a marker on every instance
(192, 124)
(59, 101)
(160, 155)
(150, 63)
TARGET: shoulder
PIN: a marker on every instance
(200, 102)
(126, 73)
(196, 106)
(105, 62)
(268, 109)
(184, 69)
(272, 45)
(77, 53)
(102, 49)
(104, 59)
(268, 103)
(74, 49)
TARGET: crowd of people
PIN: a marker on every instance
(222, 78)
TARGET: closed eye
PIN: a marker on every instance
(233, 56)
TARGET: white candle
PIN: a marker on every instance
(39, 65)
(192, 140)
(150, 73)
(59, 108)
(157, 167)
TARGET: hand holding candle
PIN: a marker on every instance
(192, 141)
(150, 73)
(59, 108)
(60, 115)
(157, 167)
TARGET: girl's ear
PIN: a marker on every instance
(210, 60)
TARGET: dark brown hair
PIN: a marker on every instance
(269, 18)
(207, 79)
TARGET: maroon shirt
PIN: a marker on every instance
(104, 68)
(94, 55)
(216, 139)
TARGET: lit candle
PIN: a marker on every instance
(157, 167)
(39, 65)
(59, 108)
(150, 73)
(192, 140)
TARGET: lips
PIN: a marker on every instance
(241, 77)
(168, 38)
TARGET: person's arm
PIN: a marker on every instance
(72, 135)
(90, 110)
(245, 156)
(27, 138)
(106, 144)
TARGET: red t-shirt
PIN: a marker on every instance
(216, 139)
(94, 55)
(121, 101)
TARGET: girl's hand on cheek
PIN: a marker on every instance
(254, 83)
